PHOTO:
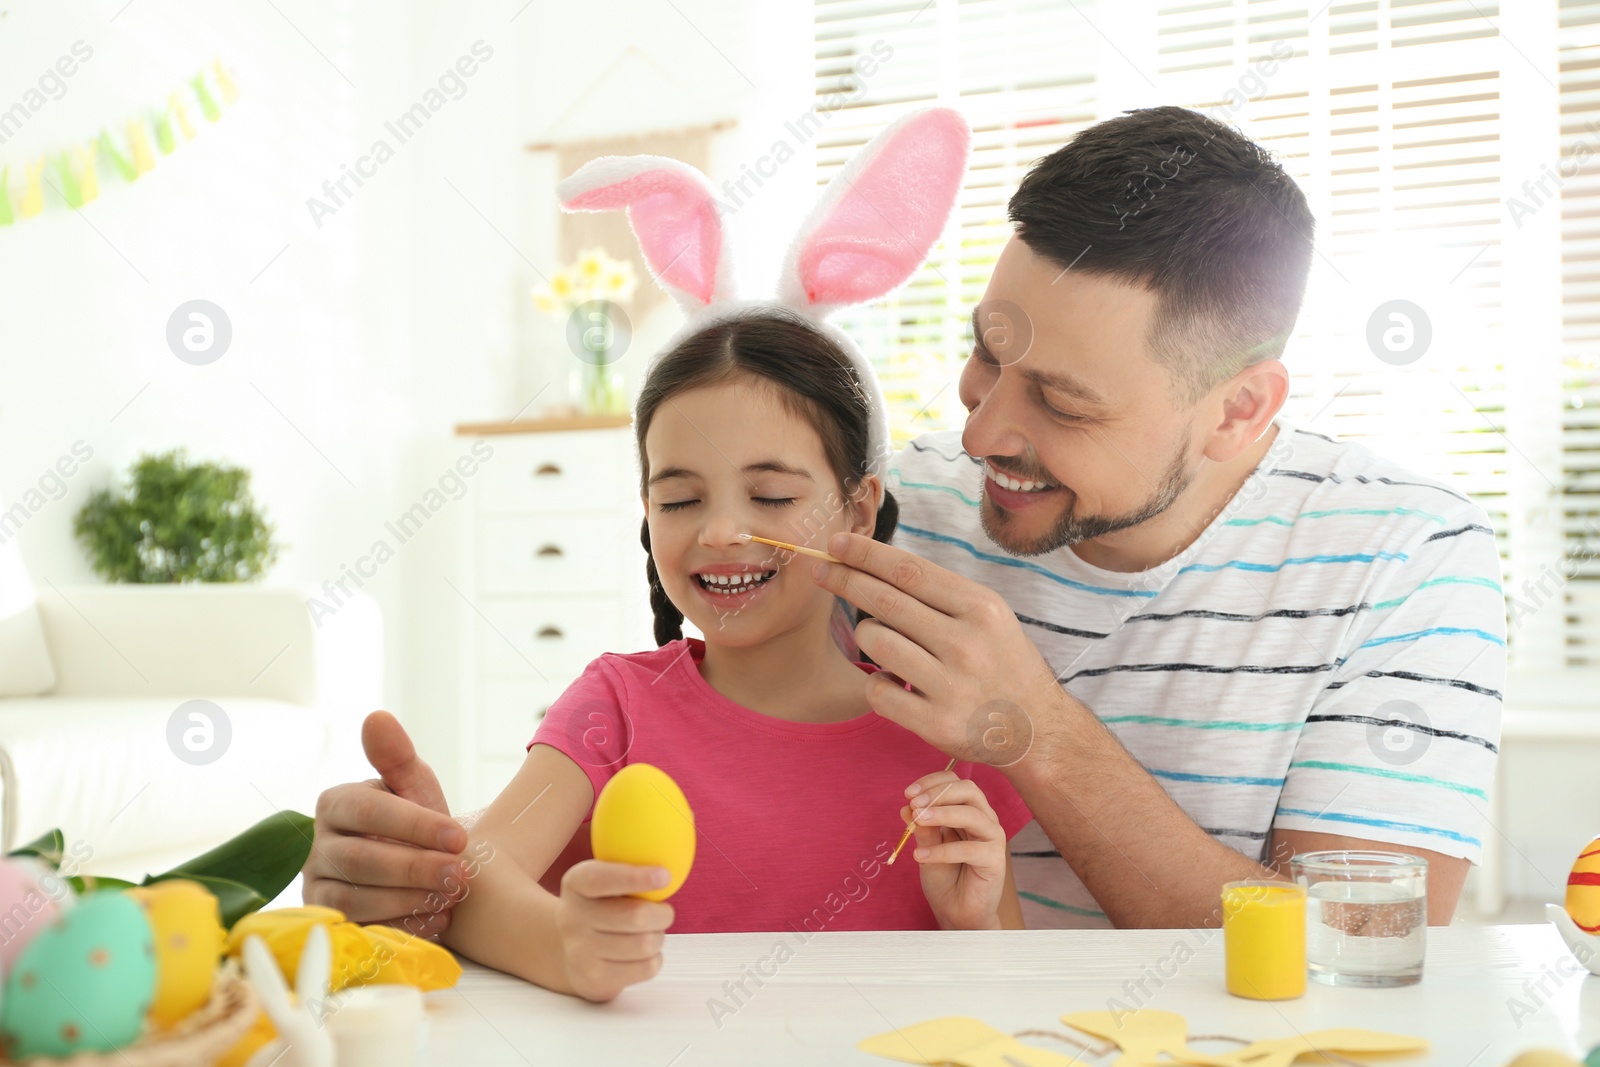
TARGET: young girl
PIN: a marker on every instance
(761, 420)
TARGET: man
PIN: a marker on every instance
(1198, 639)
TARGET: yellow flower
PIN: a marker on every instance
(561, 285)
(591, 264)
(405, 959)
(619, 283)
(285, 931)
(362, 955)
(545, 301)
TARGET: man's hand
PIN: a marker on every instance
(609, 938)
(386, 850)
(977, 681)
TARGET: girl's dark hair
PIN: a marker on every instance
(811, 375)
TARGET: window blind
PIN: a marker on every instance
(1411, 125)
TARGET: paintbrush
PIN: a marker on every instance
(787, 547)
(912, 825)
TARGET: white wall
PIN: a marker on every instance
(359, 344)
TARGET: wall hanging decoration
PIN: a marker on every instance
(124, 151)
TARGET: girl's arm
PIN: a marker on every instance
(591, 939)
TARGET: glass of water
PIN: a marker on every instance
(1366, 916)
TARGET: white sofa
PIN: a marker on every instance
(93, 755)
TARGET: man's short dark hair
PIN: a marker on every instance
(1191, 209)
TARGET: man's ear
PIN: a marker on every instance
(864, 504)
(1245, 406)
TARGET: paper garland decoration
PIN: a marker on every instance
(1146, 1038)
(74, 171)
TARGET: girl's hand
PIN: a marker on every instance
(610, 940)
(961, 848)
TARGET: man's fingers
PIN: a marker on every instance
(943, 591)
(392, 755)
(898, 704)
(900, 609)
(365, 862)
(597, 879)
(367, 808)
(369, 904)
(903, 655)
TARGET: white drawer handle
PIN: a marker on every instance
(550, 551)
(545, 470)
(548, 633)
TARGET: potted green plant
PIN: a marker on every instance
(177, 521)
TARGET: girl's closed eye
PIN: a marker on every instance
(765, 501)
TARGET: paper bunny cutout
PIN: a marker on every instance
(872, 228)
(303, 1040)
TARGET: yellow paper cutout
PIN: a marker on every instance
(88, 177)
(1143, 1036)
(144, 160)
(32, 191)
(175, 105)
(1282, 1051)
(959, 1040)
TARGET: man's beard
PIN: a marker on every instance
(1070, 529)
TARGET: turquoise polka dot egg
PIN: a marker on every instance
(84, 984)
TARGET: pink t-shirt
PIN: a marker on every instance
(793, 819)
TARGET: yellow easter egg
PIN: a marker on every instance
(642, 817)
(1583, 888)
(187, 927)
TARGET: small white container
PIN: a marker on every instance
(379, 1026)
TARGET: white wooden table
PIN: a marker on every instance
(841, 987)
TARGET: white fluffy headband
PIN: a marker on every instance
(872, 228)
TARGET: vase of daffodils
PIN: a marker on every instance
(588, 296)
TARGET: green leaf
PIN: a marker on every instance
(253, 867)
(245, 873)
(50, 846)
(89, 883)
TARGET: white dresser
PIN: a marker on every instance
(553, 577)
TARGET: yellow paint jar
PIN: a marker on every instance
(1264, 937)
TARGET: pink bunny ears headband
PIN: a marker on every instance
(873, 227)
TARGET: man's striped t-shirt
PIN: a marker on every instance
(1328, 655)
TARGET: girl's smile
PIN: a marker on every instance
(734, 585)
